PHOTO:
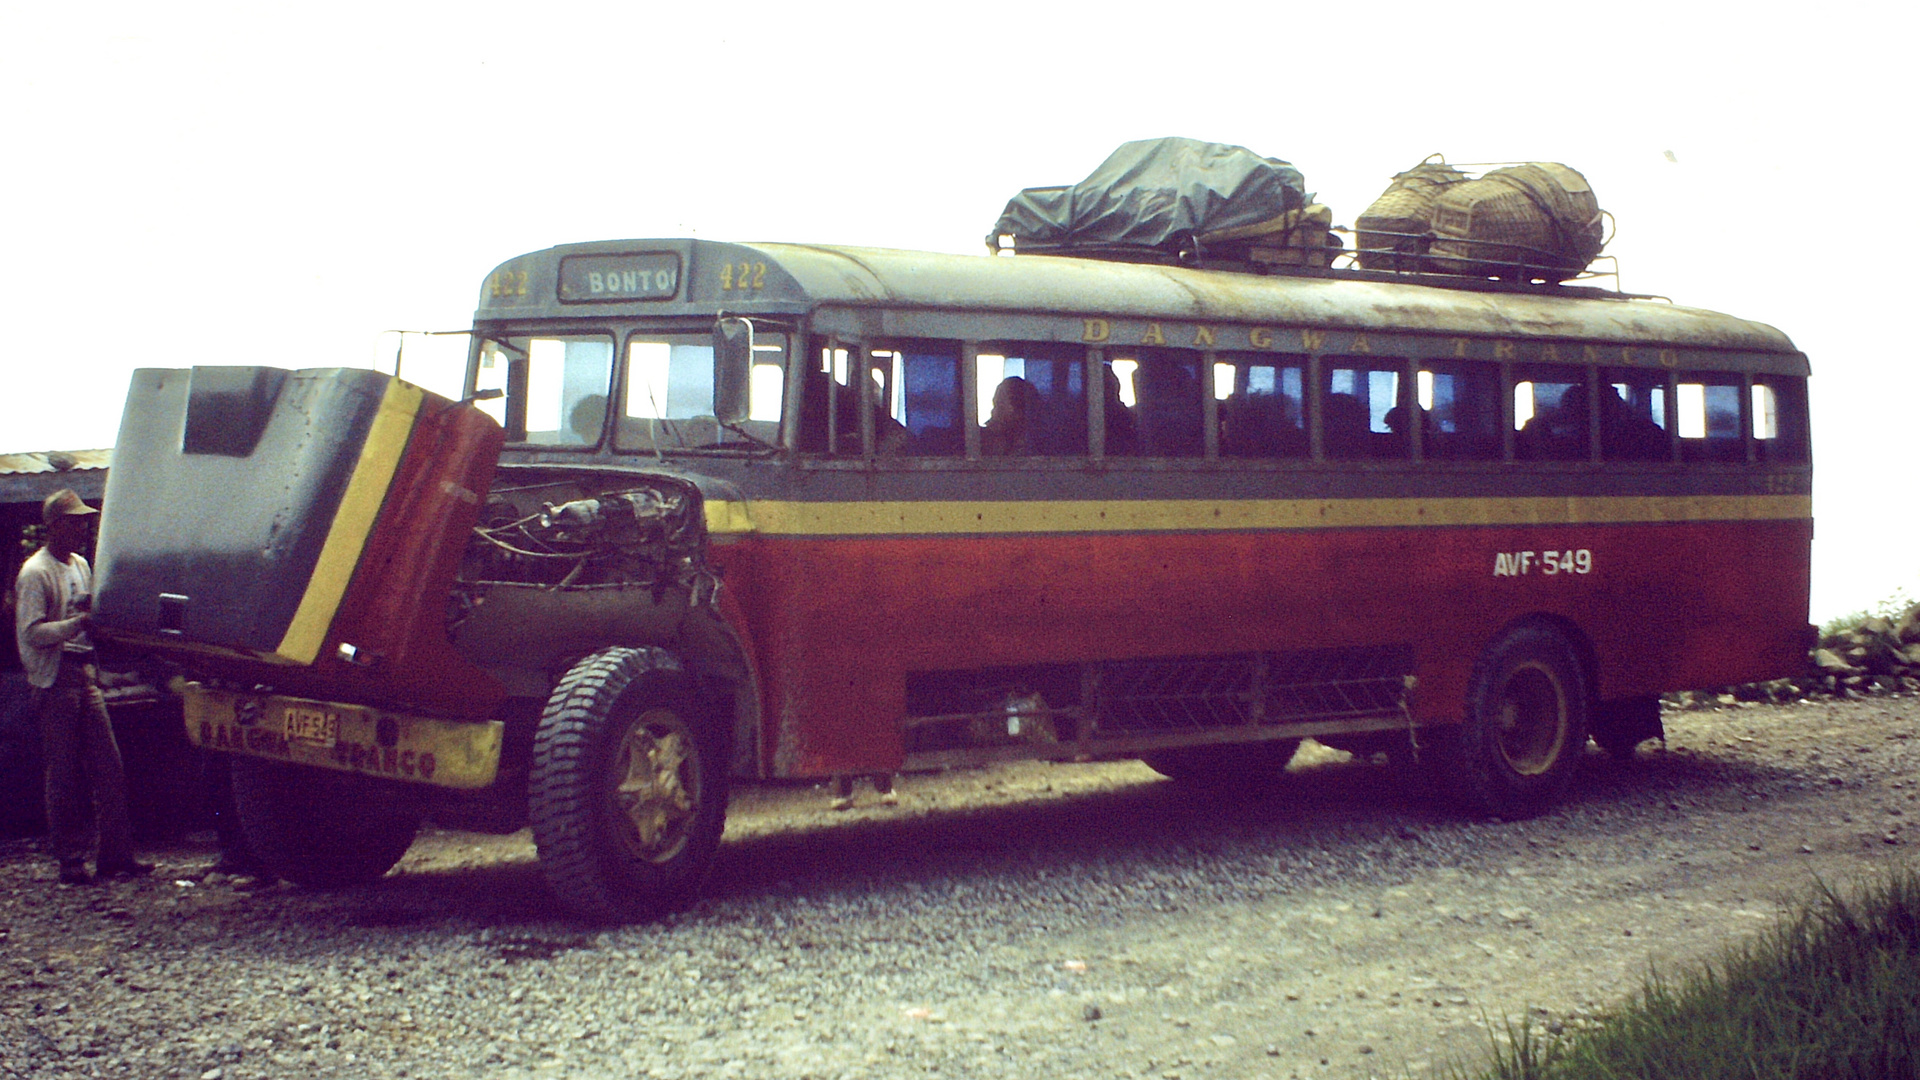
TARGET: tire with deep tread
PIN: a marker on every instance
(320, 828)
(628, 790)
(1525, 730)
(1223, 764)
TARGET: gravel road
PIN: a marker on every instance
(1027, 921)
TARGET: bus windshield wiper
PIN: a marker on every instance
(760, 445)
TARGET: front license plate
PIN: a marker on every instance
(314, 726)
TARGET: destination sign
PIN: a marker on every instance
(589, 278)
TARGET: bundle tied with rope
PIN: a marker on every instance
(1393, 231)
(1538, 220)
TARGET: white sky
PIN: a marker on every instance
(204, 184)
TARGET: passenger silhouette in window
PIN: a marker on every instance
(1261, 418)
(1343, 427)
(1396, 421)
(1167, 389)
(1123, 437)
(588, 417)
(889, 435)
(1006, 432)
(1261, 425)
(1626, 434)
(1557, 432)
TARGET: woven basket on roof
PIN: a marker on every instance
(1394, 230)
(1538, 220)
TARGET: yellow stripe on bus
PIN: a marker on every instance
(725, 517)
(352, 522)
(919, 518)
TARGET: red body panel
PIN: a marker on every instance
(394, 611)
(840, 622)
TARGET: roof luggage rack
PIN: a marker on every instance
(1290, 253)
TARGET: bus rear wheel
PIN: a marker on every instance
(320, 828)
(1526, 726)
(628, 791)
(1217, 764)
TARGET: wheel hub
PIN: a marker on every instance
(1533, 719)
(657, 788)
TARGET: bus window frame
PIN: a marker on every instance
(821, 351)
(627, 330)
(1742, 383)
(1498, 450)
(1096, 360)
(1405, 394)
(972, 420)
(969, 400)
(514, 402)
(1207, 422)
(1791, 418)
(1209, 407)
(1241, 362)
(1585, 374)
(966, 357)
(1095, 436)
(1607, 375)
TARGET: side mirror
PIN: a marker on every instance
(732, 368)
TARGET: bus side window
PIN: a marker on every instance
(925, 397)
(1262, 406)
(1460, 403)
(1551, 412)
(1633, 415)
(824, 392)
(1709, 425)
(1363, 415)
(1780, 419)
(1162, 410)
(1033, 399)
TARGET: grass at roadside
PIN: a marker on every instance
(1830, 993)
(1891, 609)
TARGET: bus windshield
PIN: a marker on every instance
(640, 390)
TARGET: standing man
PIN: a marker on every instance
(53, 596)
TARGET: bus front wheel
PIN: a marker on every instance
(628, 790)
(1525, 729)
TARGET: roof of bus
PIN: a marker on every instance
(808, 276)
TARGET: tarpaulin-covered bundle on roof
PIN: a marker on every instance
(1154, 193)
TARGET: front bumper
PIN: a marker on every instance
(346, 738)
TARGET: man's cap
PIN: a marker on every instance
(64, 503)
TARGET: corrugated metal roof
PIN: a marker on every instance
(46, 461)
(31, 477)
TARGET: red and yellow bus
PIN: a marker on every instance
(788, 511)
